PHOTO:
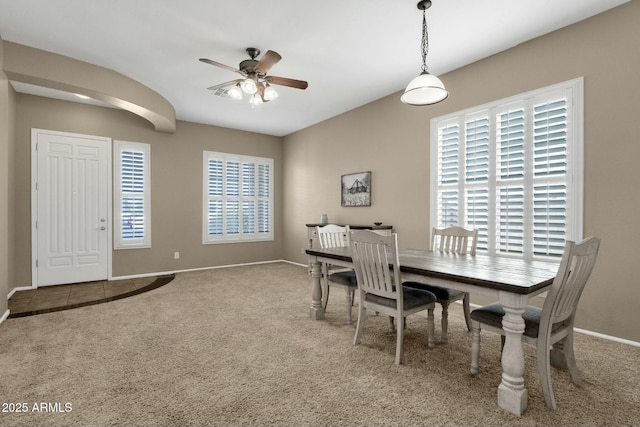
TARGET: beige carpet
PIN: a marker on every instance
(235, 347)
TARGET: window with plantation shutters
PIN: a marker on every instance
(513, 170)
(237, 198)
(132, 195)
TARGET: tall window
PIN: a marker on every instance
(513, 169)
(132, 195)
(238, 198)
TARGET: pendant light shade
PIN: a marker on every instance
(426, 89)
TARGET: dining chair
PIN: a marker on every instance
(550, 329)
(377, 267)
(456, 240)
(334, 236)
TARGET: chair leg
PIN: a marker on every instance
(349, 300)
(431, 329)
(362, 316)
(544, 372)
(467, 311)
(445, 321)
(400, 336)
(567, 350)
(392, 326)
(475, 346)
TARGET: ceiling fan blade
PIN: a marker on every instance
(231, 83)
(268, 60)
(217, 64)
(283, 81)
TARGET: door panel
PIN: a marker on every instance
(72, 207)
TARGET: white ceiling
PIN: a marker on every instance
(351, 52)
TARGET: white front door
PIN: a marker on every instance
(71, 224)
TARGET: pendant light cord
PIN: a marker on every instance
(425, 41)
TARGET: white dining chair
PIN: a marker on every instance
(550, 329)
(456, 240)
(377, 266)
(334, 236)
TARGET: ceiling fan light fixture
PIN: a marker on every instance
(254, 81)
(235, 92)
(249, 86)
(255, 100)
(426, 89)
(270, 93)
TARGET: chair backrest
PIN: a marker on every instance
(455, 239)
(376, 262)
(575, 268)
(333, 236)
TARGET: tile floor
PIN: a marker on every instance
(62, 297)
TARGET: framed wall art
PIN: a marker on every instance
(356, 189)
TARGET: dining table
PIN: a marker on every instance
(511, 281)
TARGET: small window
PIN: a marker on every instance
(238, 198)
(132, 195)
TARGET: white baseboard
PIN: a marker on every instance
(162, 273)
(607, 337)
(294, 263)
(4, 316)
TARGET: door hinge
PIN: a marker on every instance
(36, 263)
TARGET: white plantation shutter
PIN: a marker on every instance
(232, 200)
(249, 194)
(238, 191)
(510, 220)
(477, 214)
(521, 173)
(449, 167)
(264, 198)
(215, 192)
(132, 195)
(550, 125)
(510, 178)
(477, 150)
(477, 174)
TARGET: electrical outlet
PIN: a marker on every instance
(176, 255)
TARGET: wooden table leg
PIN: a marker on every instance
(512, 394)
(316, 311)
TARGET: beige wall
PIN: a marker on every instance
(176, 189)
(392, 140)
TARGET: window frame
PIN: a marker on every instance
(119, 241)
(256, 199)
(574, 90)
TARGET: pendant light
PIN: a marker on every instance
(426, 89)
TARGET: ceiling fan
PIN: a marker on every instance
(255, 81)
